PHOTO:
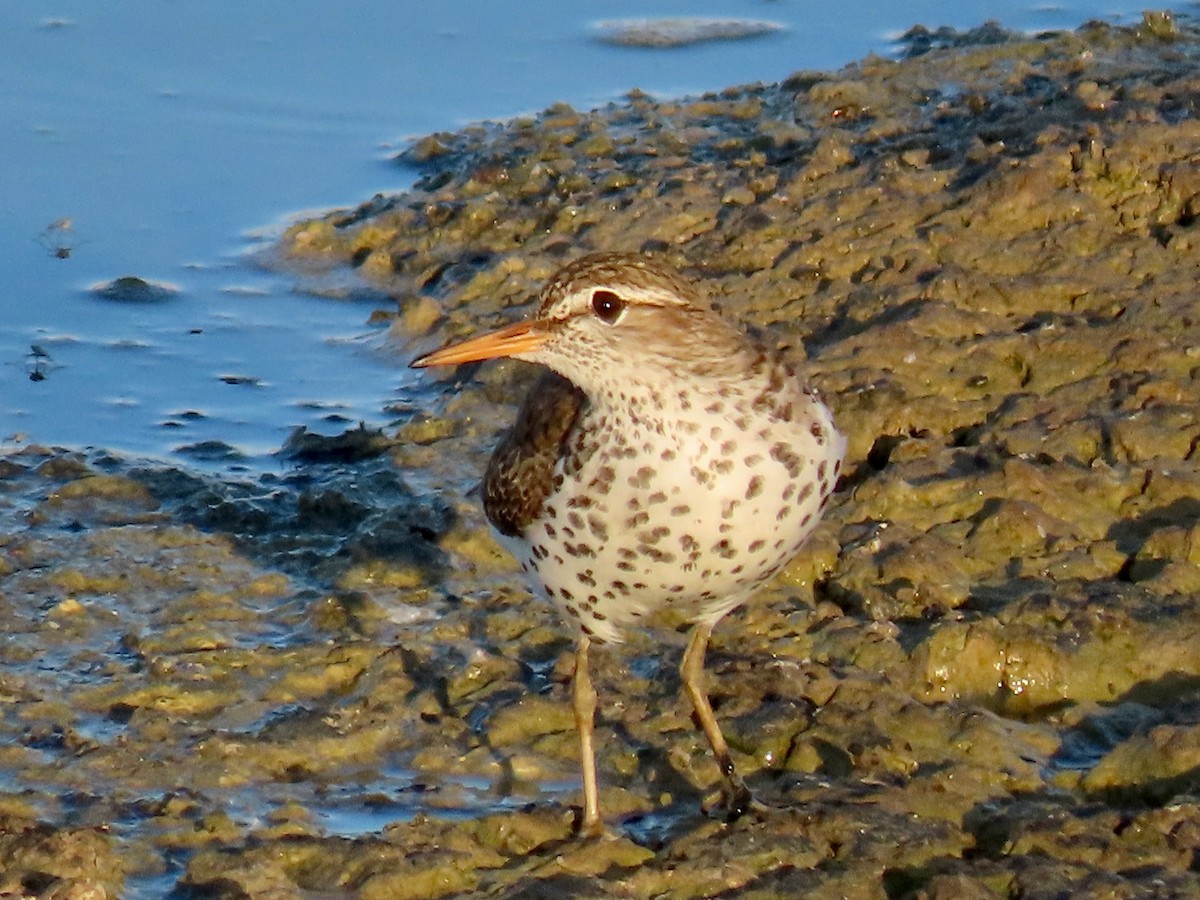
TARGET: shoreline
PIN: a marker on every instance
(981, 678)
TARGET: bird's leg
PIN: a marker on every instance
(585, 713)
(735, 796)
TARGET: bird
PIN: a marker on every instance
(663, 460)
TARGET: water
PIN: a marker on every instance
(165, 142)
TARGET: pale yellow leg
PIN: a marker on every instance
(735, 795)
(585, 715)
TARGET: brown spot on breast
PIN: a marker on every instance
(788, 458)
(754, 488)
(597, 527)
(662, 556)
(579, 550)
(641, 479)
(604, 476)
(654, 535)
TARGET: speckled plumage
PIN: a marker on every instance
(670, 461)
(687, 469)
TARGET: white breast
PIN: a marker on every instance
(684, 507)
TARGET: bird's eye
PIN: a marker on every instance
(607, 306)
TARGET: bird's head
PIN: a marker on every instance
(608, 317)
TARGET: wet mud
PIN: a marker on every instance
(981, 680)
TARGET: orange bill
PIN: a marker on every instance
(512, 340)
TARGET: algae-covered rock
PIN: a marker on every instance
(979, 680)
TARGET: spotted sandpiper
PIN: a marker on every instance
(665, 461)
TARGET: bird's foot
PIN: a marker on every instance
(592, 830)
(733, 801)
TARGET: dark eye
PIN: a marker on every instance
(607, 306)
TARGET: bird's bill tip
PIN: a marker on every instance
(512, 340)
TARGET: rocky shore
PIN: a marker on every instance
(982, 679)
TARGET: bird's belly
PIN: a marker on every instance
(695, 529)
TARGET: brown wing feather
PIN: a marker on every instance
(520, 474)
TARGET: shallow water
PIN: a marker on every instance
(167, 147)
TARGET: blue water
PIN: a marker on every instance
(164, 141)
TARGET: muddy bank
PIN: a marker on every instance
(982, 680)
